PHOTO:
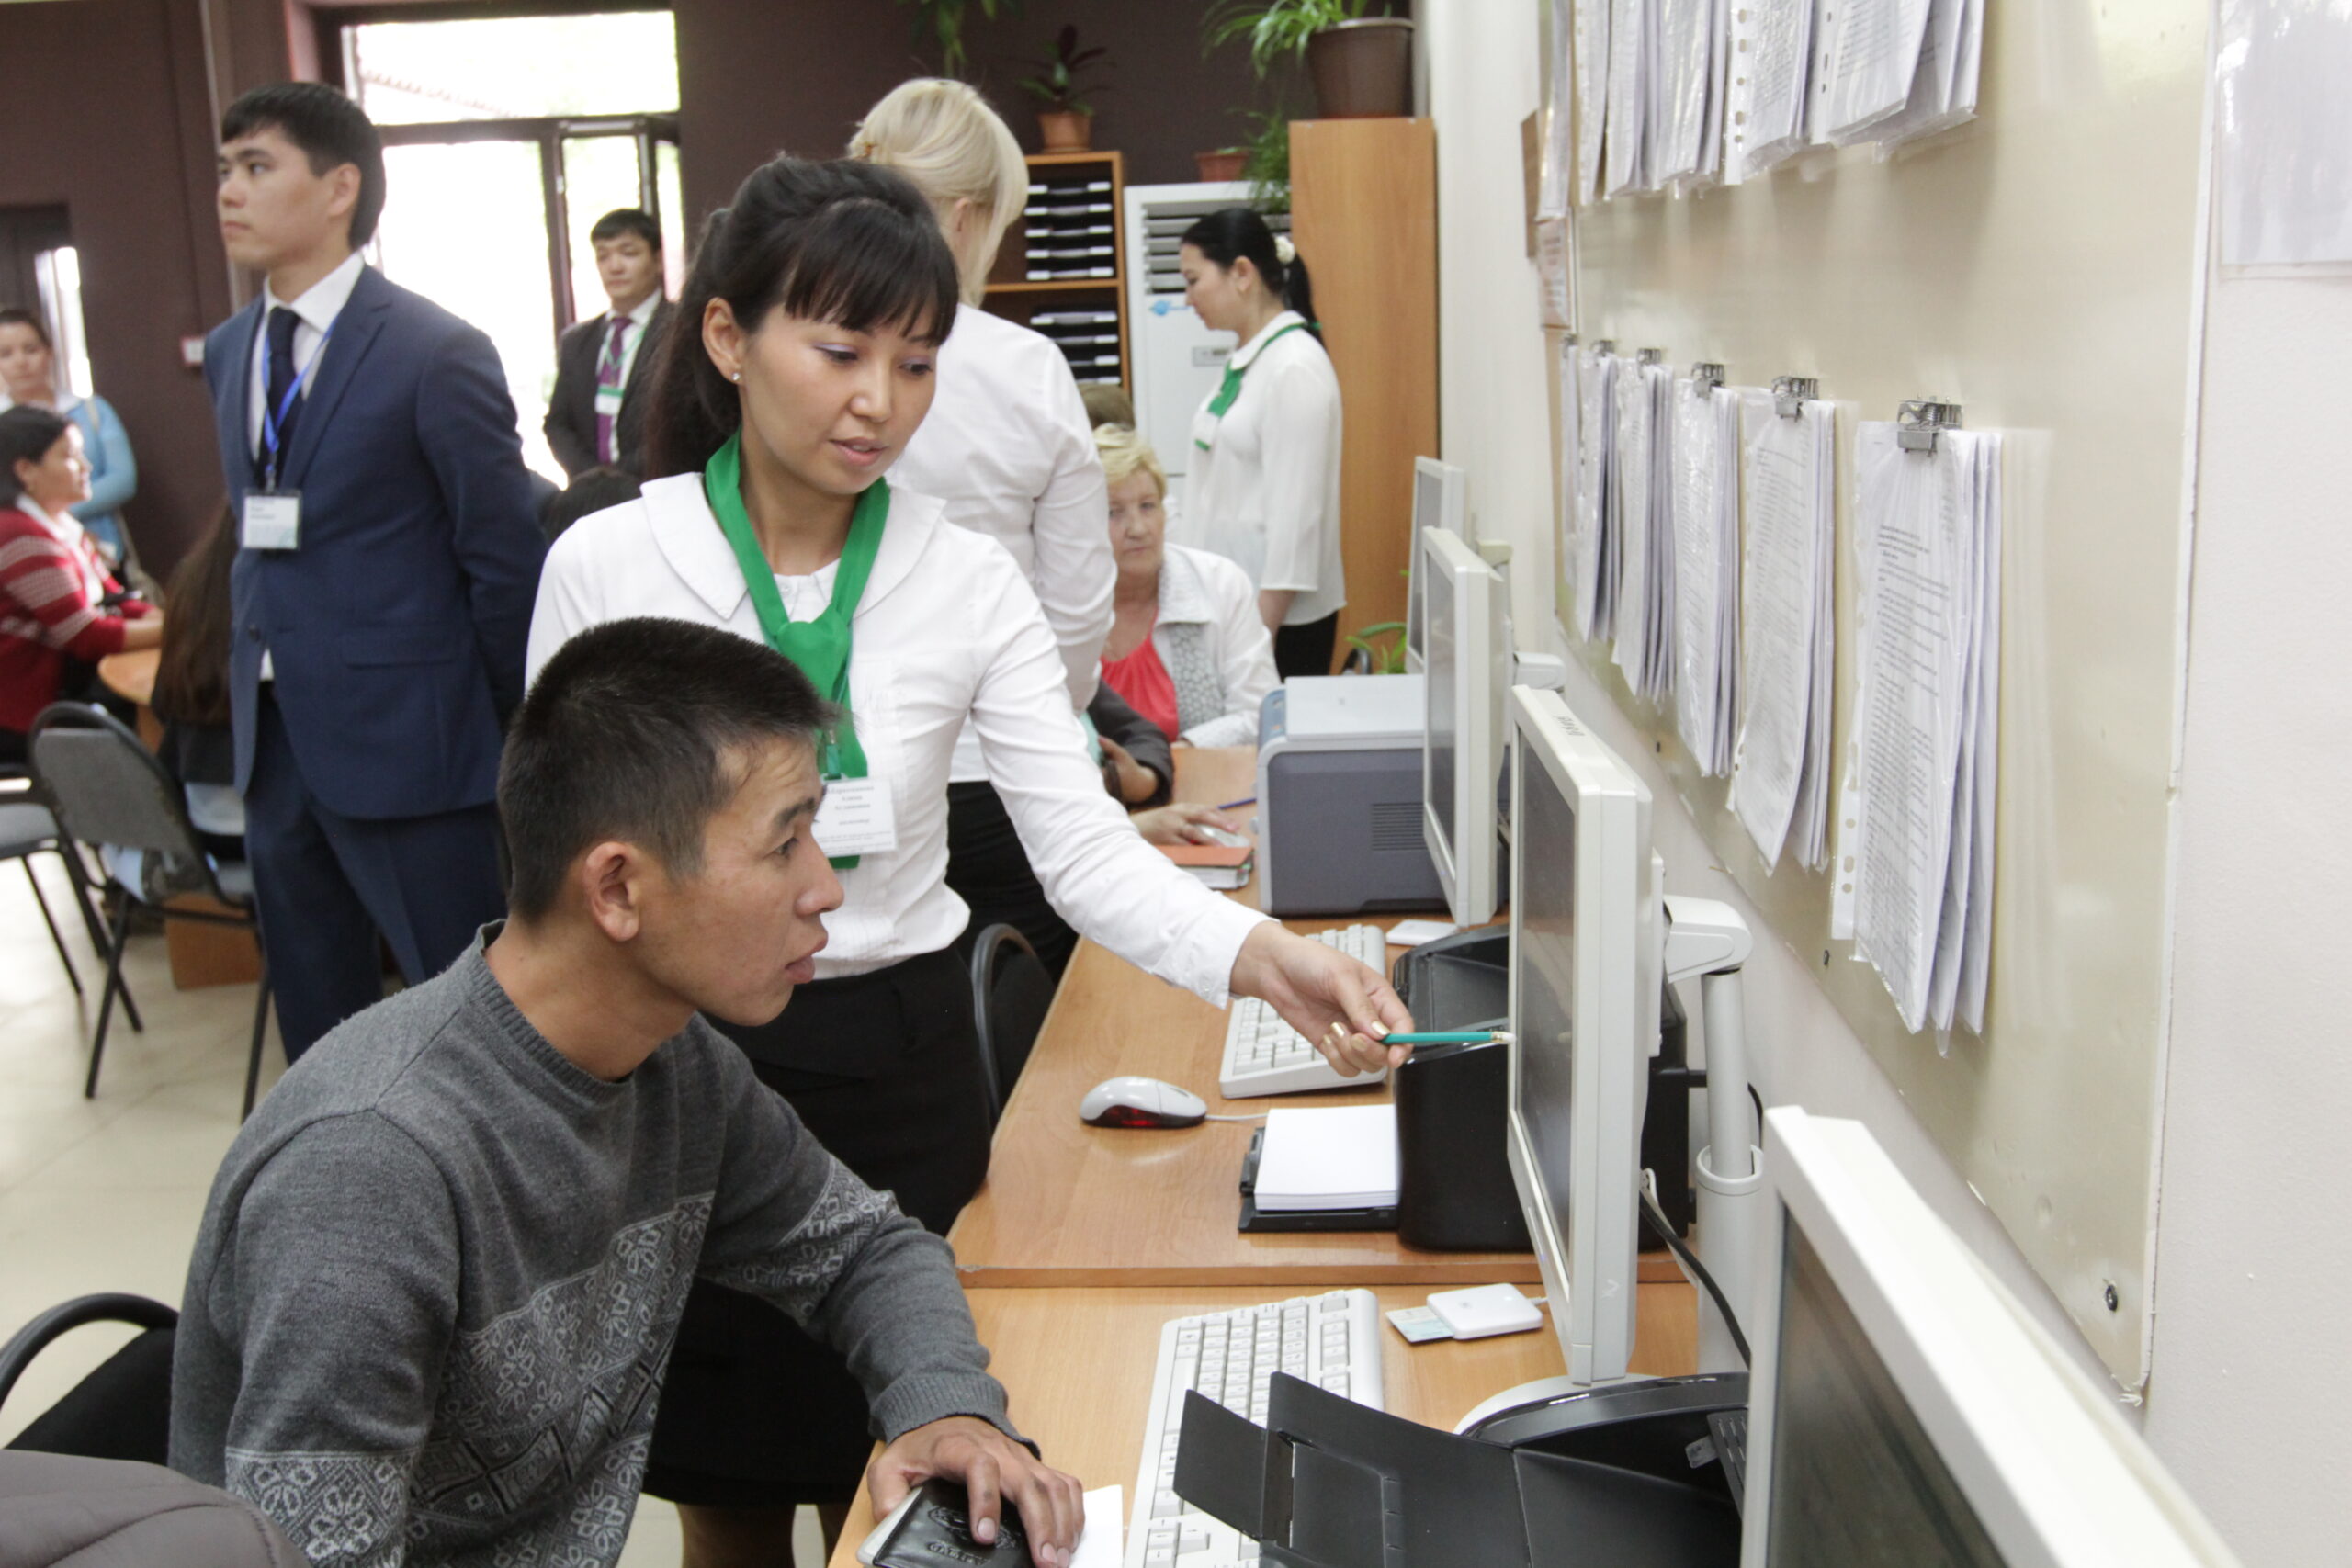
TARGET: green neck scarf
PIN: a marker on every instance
(1230, 388)
(820, 647)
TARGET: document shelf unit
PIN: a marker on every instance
(1061, 268)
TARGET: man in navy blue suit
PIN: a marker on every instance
(383, 592)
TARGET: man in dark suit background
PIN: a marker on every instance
(604, 366)
(383, 593)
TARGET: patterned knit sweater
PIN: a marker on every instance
(50, 584)
(438, 1278)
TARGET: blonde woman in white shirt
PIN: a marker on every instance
(1007, 450)
(1187, 649)
(801, 366)
(1264, 486)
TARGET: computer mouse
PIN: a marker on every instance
(1141, 1102)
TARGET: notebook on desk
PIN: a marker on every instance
(1331, 1169)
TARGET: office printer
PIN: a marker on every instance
(1339, 797)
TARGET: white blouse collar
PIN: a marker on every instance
(1249, 352)
(690, 540)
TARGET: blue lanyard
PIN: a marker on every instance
(273, 420)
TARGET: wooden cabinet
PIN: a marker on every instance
(1071, 225)
(1363, 215)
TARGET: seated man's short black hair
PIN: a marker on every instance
(330, 129)
(627, 221)
(624, 737)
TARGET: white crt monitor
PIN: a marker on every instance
(1466, 672)
(1585, 951)
(1440, 501)
(1903, 1408)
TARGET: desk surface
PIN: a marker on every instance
(131, 676)
(1078, 1365)
(1069, 1204)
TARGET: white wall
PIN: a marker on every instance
(2254, 1255)
(2254, 1270)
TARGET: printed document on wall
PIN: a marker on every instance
(2283, 123)
(1788, 629)
(1928, 549)
(1645, 461)
(1596, 502)
(1865, 59)
(1704, 505)
(1592, 93)
(1570, 552)
(1771, 45)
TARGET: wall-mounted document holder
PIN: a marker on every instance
(1791, 393)
(1650, 357)
(1918, 421)
(1705, 376)
(1604, 346)
(1328, 1483)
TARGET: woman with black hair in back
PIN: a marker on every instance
(1263, 490)
(799, 366)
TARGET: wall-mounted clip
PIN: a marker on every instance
(1705, 376)
(1568, 340)
(1791, 393)
(1918, 422)
(1650, 357)
(1604, 346)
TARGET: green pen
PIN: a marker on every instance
(1451, 1037)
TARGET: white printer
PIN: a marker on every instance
(1339, 797)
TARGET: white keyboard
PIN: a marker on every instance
(1231, 1357)
(1265, 1055)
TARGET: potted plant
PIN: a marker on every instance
(1222, 167)
(1065, 119)
(1363, 65)
(943, 20)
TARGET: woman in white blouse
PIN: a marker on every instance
(1265, 491)
(801, 366)
(1007, 449)
(1187, 649)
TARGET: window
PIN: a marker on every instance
(505, 140)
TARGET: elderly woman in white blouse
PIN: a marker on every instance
(1187, 647)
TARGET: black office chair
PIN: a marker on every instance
(106, 787)
(1011, 994)
(122, 1410)
(28, 828)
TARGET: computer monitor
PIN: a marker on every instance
(1441, 499)
(1467, 671)
(1904, 1409)
(1586, 951)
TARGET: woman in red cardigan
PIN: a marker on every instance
(60, 611)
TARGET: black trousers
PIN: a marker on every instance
(990, 871)
(754, 1412)
(1306, 649)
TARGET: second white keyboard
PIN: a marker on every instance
(1332, 1341)
(1265, 1055)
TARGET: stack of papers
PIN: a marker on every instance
(1633, 66)
(1595, 550)
(1644, 468)
(1780, 775)
(1221, 866)
(1704, 503)
(1687, 128)
(1926, 721)
(1340, 1158)
(1769, 96)
(1889, 70)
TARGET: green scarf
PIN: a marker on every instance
(1230, 388)
(820, 647)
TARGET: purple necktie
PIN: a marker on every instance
(608, 378)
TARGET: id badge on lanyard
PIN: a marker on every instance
(857, 818)
(271, 518)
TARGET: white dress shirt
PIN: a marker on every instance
(1007, 448)
(315, 313)
(1266, 493)
(948, 631)
(638, 316)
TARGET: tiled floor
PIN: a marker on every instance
(104, 1194)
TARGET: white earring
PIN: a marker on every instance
(735, 375)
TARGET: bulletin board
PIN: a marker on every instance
(2041, 266)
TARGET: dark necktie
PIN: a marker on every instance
(282, 322)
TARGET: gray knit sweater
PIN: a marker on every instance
(441, 1270)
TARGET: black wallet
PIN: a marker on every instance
(932, 1527)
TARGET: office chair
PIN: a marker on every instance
(121, 1411)
(106, 787)
(28, 828)
(1011, 994)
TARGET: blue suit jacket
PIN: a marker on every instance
(396, 631)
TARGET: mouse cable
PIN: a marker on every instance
(1260, 1116)
(1664, 1229)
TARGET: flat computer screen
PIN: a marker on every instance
(1855, 1478)
(1544, 961)
(1441, 663)
(1441, 499)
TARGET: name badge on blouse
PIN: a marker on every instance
(857, 818)
(272, 520)
(1204, 426)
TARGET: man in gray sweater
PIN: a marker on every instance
(441, 1270)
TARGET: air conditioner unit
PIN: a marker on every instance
(1178, 362)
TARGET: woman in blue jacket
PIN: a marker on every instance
(29, 375)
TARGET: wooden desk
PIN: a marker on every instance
(1078, 1365)
(132, 677)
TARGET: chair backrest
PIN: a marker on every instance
(104, 784)
(1011, 991)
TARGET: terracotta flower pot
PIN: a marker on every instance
(1363, 69)
(1220, 167)
(1066, 130)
